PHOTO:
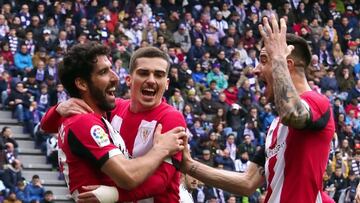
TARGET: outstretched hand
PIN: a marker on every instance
(275, 37)
(73, 106)
(186, 159)
(171, 141)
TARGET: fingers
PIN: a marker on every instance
(181, 134)
(283, 26)
(268, 29)
(262, 31)
(90, 187)
(180, 141)
(158, 129)
(85, 195)
(274, 24)
(177, 129)
(83, 105)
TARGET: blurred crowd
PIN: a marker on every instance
(213, 47)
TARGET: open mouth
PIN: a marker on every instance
(148, 92)
(111, 91)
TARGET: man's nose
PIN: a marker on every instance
(114, 76)
(257, 69)
(151, 78)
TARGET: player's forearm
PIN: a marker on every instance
(50, 123)
(233, 182)
(142, 167)
(288, 103)
(156, 184)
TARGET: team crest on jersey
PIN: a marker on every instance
(100, 136)
(145, 133)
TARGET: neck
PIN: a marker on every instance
(137, 107)
(93, 105)
(300, 83)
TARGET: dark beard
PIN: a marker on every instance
(100, 98)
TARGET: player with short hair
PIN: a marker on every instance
(91, 151)
(136, 120)
(298, 141)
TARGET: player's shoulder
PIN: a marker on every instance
(170, 116)
(167, 110)
(315, 99)
(82, 122)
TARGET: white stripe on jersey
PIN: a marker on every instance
(279, 165)
(144, 138)
(278, 151)
(318, 198)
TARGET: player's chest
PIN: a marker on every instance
(137, 132)
(276, 138)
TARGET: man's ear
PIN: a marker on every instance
(167, 84)
(128, 80)
(291, 64)
(81, 84)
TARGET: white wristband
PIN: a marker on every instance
(106, 194)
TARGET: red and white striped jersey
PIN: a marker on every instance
(296, 159)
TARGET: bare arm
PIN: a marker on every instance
(291, 110)
(233, 182)
(128, 174)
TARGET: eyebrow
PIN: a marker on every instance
(102, 68)
(142, 69)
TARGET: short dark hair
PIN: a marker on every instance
(48, 192)
(147, 52)
(301, 50)
(4, 129)
(35, 177)
(79, 62)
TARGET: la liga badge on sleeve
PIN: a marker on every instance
(99, 135)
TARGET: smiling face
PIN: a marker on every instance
(147, 83)
(103, 84)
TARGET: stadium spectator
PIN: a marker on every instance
(35, 190)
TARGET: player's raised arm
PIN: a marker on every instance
(292, 111)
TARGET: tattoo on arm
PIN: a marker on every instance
(193, 169)
(288, 103)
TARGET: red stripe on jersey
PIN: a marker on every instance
(272, 163)
(274, 136)
(272, 160)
